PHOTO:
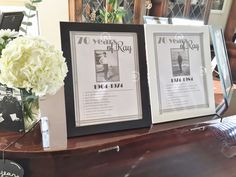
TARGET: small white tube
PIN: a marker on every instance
(45, 132)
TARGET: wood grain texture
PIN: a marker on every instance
(231, 23)
(175, 152)
(229, 32)
(173, 149)
(71, 10)
(138, 11)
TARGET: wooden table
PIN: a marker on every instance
(176, 149)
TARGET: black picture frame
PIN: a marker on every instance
(67, 29)
(11, 20)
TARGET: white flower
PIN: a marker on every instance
(33, 64)
(5, 37)
(8, 33)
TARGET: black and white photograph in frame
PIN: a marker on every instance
(179, 70)
(11, 20)
(107, 66)
(180, 62)
(11, 115)
(106, 88)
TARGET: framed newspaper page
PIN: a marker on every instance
(106, 88)
(180, 77)
(222, 63)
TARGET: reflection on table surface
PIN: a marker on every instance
(197, 147)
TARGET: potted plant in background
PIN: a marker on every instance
(111, 13)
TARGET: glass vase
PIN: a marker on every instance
(30, 108)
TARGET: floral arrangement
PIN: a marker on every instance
(33, 64)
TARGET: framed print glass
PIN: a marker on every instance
(218, 91)
(174, 21)
(156, 20)
(106, 88)
(222, 63)
(218, 6)
(180, 77)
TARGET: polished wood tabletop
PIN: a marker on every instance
(194, 150)
(198, 147)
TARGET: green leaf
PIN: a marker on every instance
(27, 15)
(102, 14)
(102, 11)
(30, 6)
(23, 30)
(111, 1)
(27, 23)
(36, 1)
(121, 12)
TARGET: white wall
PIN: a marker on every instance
(219, 19)
(51, 12)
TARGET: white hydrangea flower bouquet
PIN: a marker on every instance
(31, 63)
(35, 67)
